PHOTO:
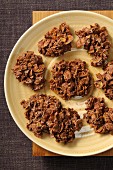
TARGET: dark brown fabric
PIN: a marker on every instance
(15, 147)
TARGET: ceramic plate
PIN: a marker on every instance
(86, 142)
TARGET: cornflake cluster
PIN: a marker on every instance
(95, 41)
(70, 78)
(30, 69)
(46, 115)
(99, 116)
(105, 80)
(56, 42)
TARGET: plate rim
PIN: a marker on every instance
(6, 90)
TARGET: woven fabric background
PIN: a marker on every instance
(15, 147)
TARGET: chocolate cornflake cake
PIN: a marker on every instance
(70, 78)
(56, 42)
(63, 124)
(30, 69)
(95, 40)
(99, 116)
(38, 110)
(105, 80)
(46, 115)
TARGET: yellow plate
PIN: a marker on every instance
(87, 142)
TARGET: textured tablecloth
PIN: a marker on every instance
(15, 147)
